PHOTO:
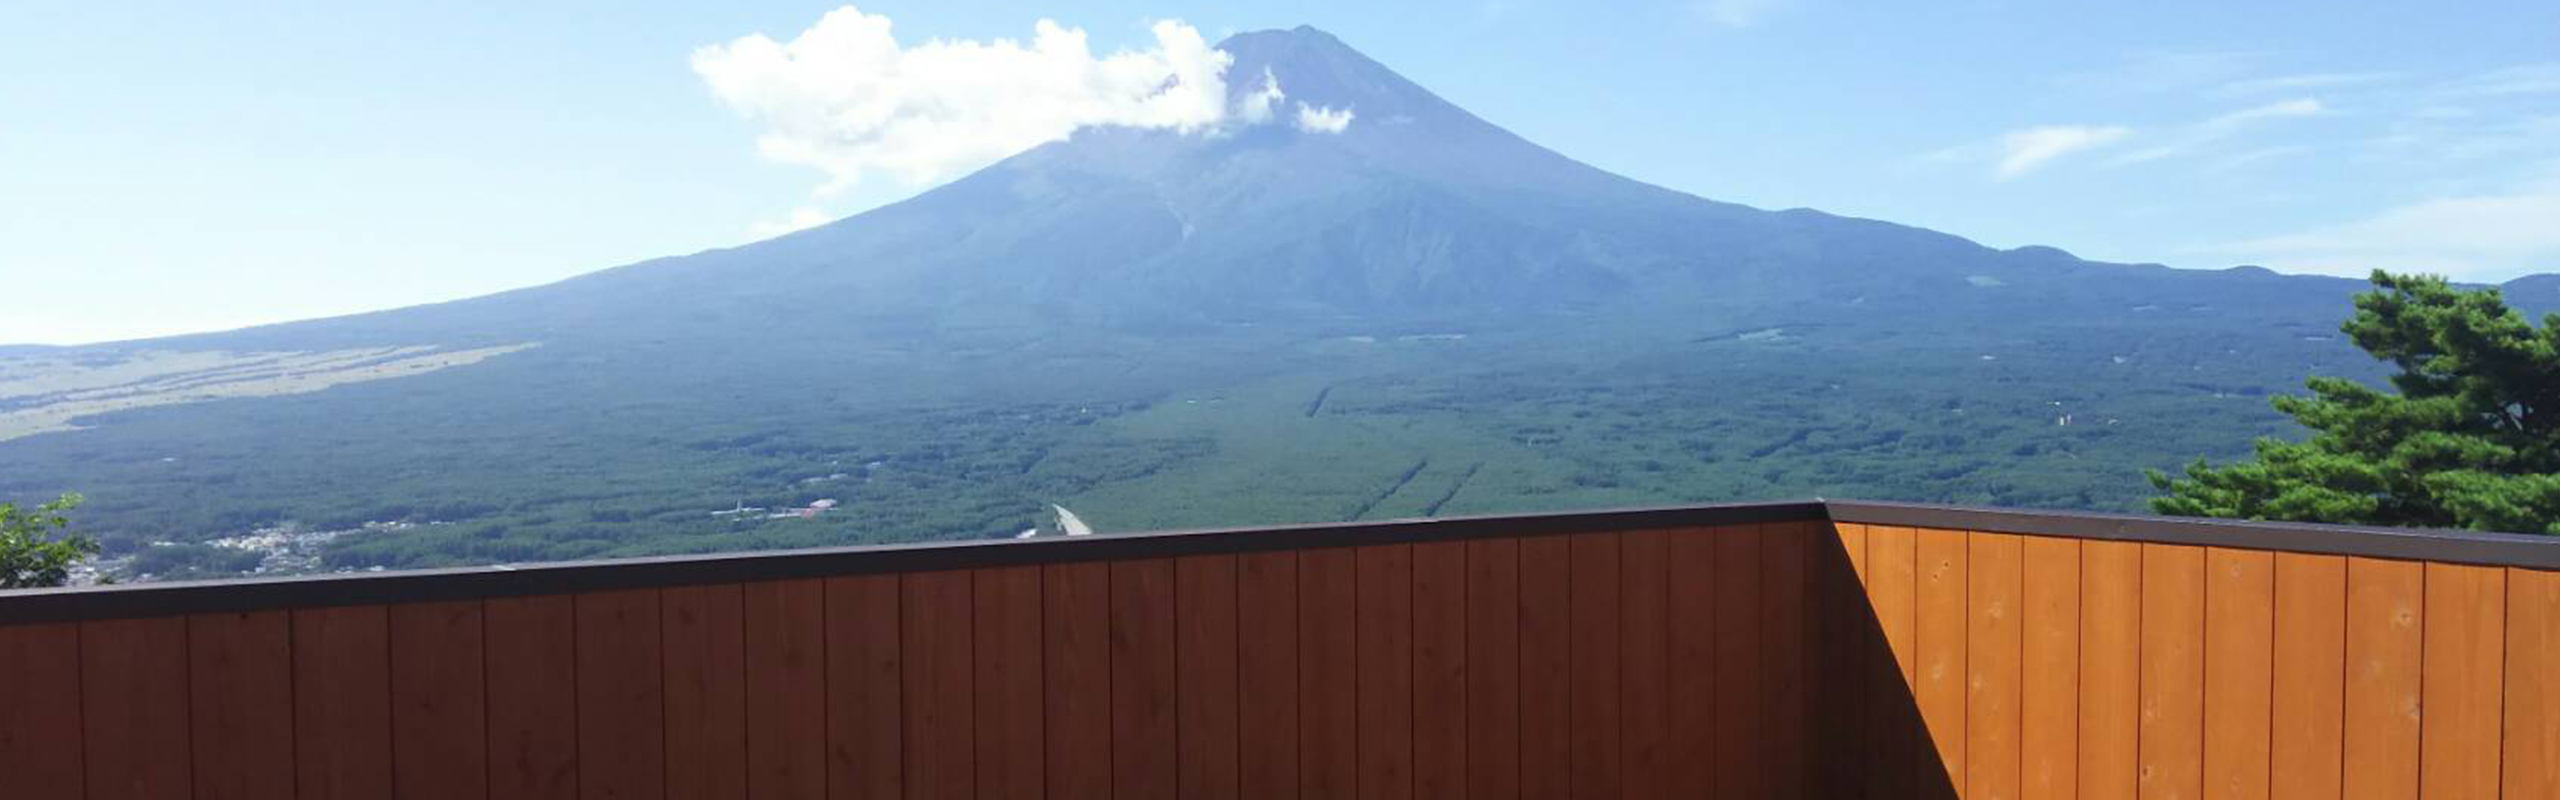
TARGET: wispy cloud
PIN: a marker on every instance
(2196, 137)
(2298, 83)
(2026, 150)
(2543, 78)
(2481, 236)
(799, 219)
(1734, 13)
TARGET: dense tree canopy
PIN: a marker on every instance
(2469, 440)
(30, 554)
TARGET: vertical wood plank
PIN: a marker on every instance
(1782, 657)
(938, 664)
(1594, 666)
(1995, 642)
(532, 674)
(704, 641)
(342, 702)
(787, 699)
(1740, 756)
(1076, 679)
(2239, 661)
(1267, 674)
(2110, 669)
(1385, 624)
(1695, 684)
(1493, 669)
(1546, 669)
(621, 696)
(1839, 681)
(133, 707)
(1903, 754)
(1009, 696)
(2533, 686)
(1440, 669)
(866, 709)
(1644, 639)
(2049, 660)
(1328, 674)
(240, 676)
(439, 723)
(2385, 634)
(1206, 711)
(1143, 737)
(2463, 681)
(2306, 721)
(40, 708)
(1940, 622)
(2172, 740)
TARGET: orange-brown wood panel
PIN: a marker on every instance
(2110, 669)
(866, 691)
(1839, 671)
(1009, 699)
(1546, 669)
(1493, 669)
(2305, 725)
(531, 666)
(1939, 636)
(1740, 755)
(621, 696)
(2049, 669)
(2172, 740)
(240, 690)
(787, 700)
(1690, 559)
(704, 638)
(1143, 736)
(2463, 679)
(40, 709)
(1644, 634)
(1267, 674)
(1901, 749)
(2385, 635)
(133, 707)
(1328, 674)
(1076, 680)
(2533, 686)
(1594, 667)
(2239, 664)
(1440, 669)
(1782, 657)
(342, 702)
(1995, 642)
(439, 705)
(938, 662)
(1205, 611)
(1385, 652)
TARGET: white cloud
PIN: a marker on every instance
(1734, 13)
(1254, 108)
(2296, 83)
(1315, 119)
(2478, 237)
(846, 97)
(2195, 137)
(2541, 78)
(799, 219)
(2023, 151)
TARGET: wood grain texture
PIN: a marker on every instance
(2239, 670)
(1546, 642)
(1440, 669)
(938, 668)
(1740, 757)
(1267, 674)
(1143, 736)
(40, 691)
(1903, 753)
(439, 723)
(2049, 679)
(866, 689)
(1644, 638)
(2533, 686)
(240, 675)
(1782, 658)
(1493, 669)
(2463, 680)
(1385, 647)
(704, 637)
(786, 658)
(532, 674)
(1595, 679)
(2173, 633)
(1995, 638)
(1838, 624)
(621, 696)
(2307, 726)
(1076, 681)
(1010, 725)
(1940, 625)
(342, 702)
(1691, 603)
(1206, 711)
(133, 708)
(1328, 674)
(2385, 638)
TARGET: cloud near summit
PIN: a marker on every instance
(847, 98)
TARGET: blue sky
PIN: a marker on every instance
(191, 166)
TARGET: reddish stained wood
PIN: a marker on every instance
(1328, 674)
(1995, 641)
(2049, 661)
(533, 691)
(1076, 679)
(1010, 724)
(1837, 677)
(2385, 634)
(1440, 669)
(1594, 665)
(787, 698)
(937, 705)
(621, 696)
(133, 707)
(2307, 726)
(1493, 669)
(40, 709)
(1782, 658)
(2173, 631)
(1546, 644)
(1385, 652)
(1740, 753)
(1900, 743)
(439, 727)
(1267, 674)
(866, 705)
(1939, 634)
(1644, 634)
(342, 702)
(240, 675)
(2239, 664)
(2463, 680)
(1690, 591)
(704, 640)
(1143, 687)
(1205, 654)
(2533, 686)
